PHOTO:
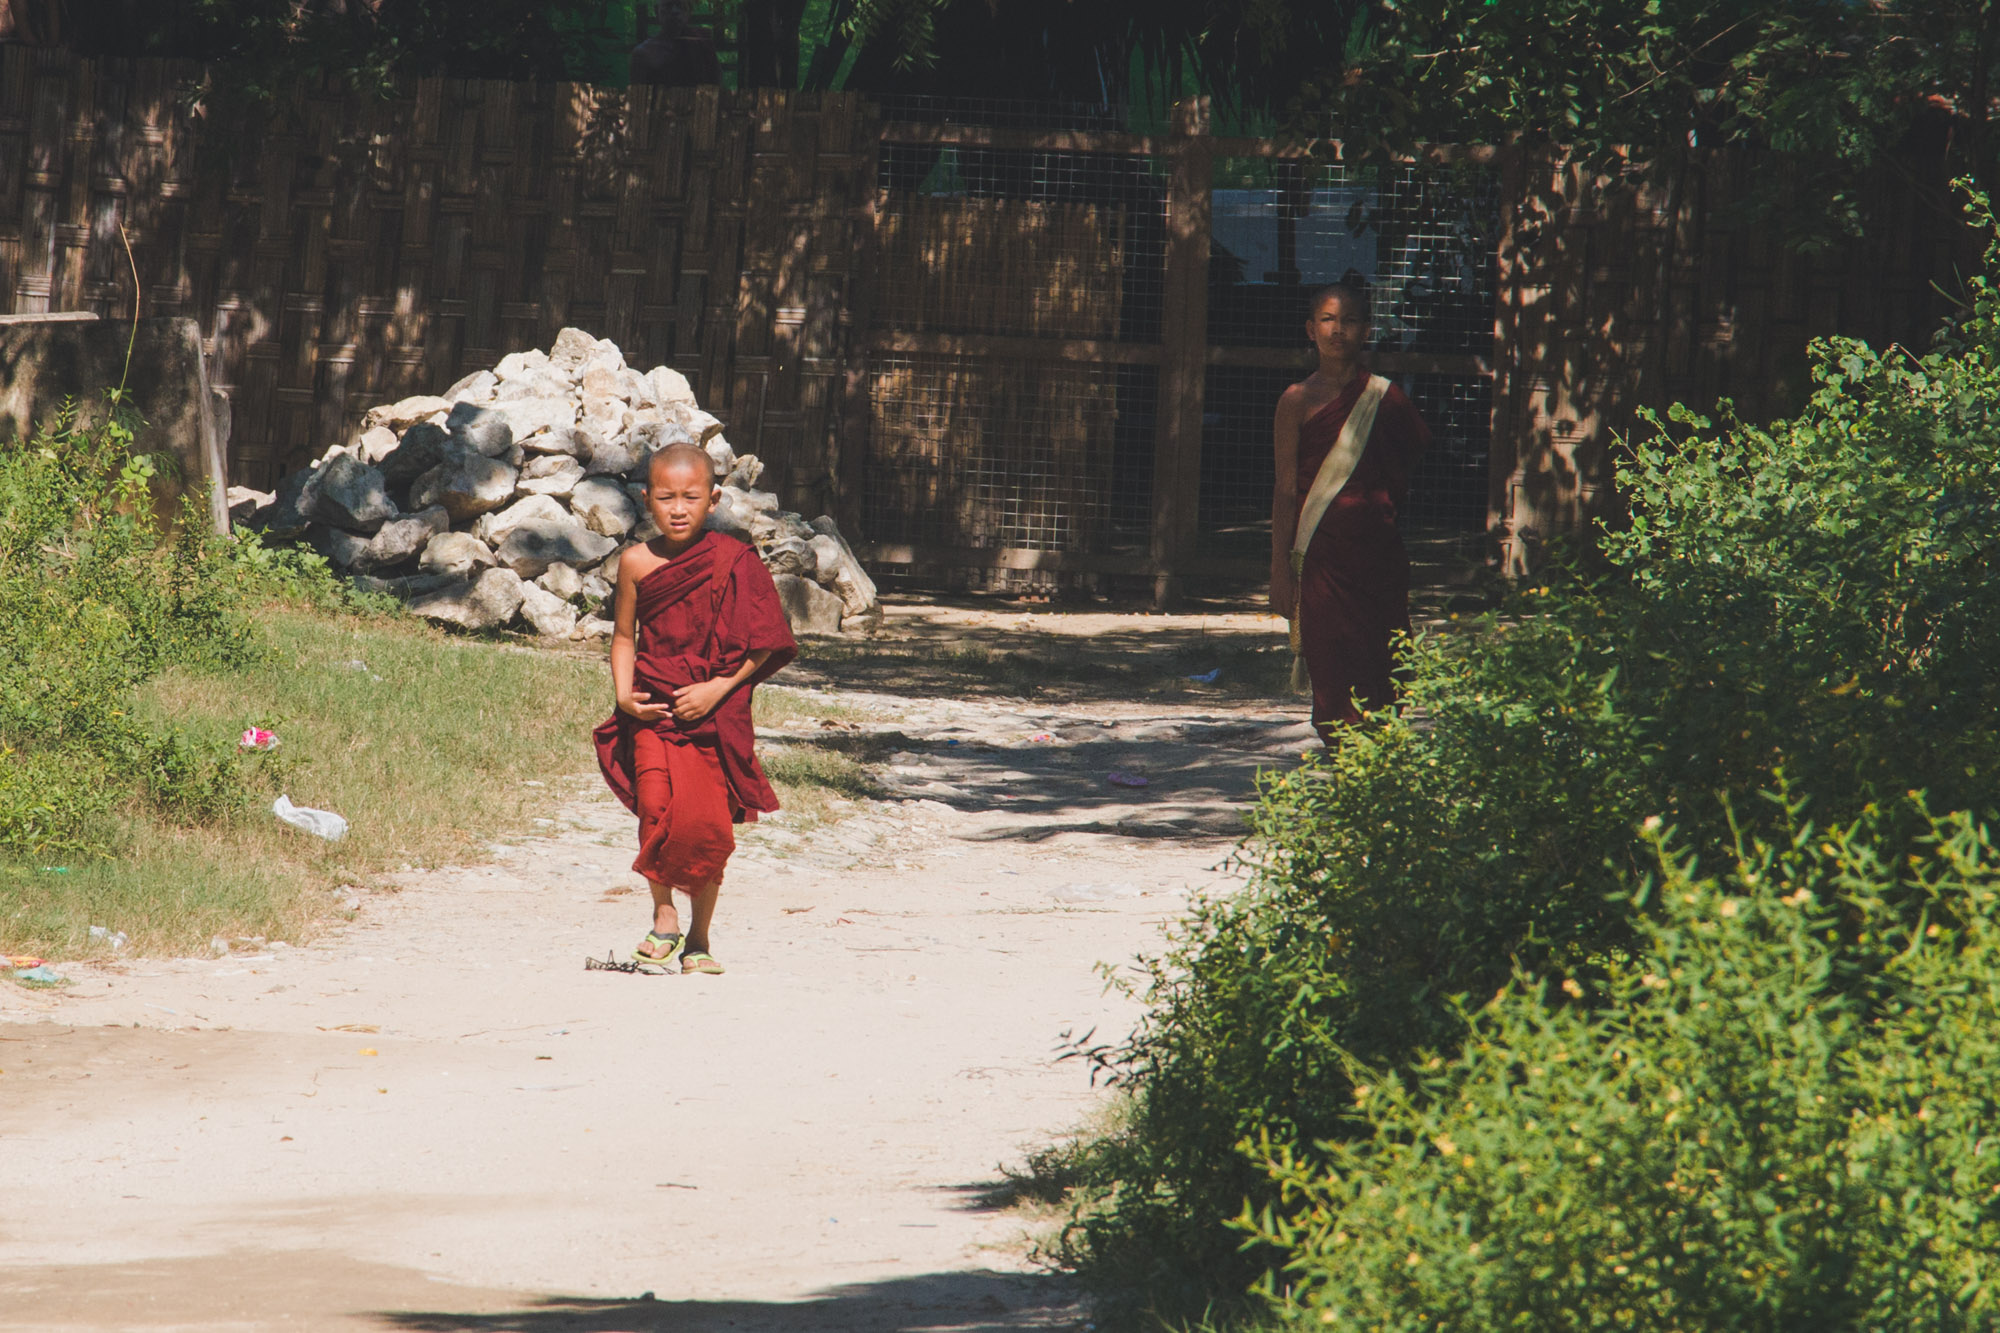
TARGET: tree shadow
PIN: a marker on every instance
(973, 1301)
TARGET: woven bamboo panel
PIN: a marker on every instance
(341, 250)
(1005, 266)
(1621, 295)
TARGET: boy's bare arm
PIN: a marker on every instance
(625, 652)
(694, 702)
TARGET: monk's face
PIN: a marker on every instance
(1338, 328)
(679, 496)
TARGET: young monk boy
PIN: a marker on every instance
(698, 626)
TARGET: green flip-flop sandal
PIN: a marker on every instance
(669, 947)
(700, 961)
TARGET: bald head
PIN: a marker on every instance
(682, 455)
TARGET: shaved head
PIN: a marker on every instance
(678, 455)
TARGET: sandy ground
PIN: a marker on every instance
(434, 1118)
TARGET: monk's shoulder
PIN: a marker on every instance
(1293, 400)
(636, 561)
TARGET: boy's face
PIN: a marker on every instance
(1338, 328)
(680, 495)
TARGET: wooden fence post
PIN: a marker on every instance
(1183, 348)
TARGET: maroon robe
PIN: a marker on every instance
(1354, 591)
(698, 616)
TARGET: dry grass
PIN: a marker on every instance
(428, 747)
(431, 745)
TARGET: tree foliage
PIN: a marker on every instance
(1834, 91)
(1806, 610)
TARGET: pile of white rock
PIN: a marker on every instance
(509, 498)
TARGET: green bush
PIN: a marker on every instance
(1811, 607)
(1778, 1113)
(95, 598)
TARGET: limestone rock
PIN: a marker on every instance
(721, 455)
(670, 386)
(549, 615)
(730, 516)
(608, 569)
(515, 365)
(602, 379)
(484, 430)
(352, 495)
(243, 502)
(809, 608)
(485, 602)
(544, 383)
(395, 543)
(562, 580)
(400, 416)
(551, 474)
(791, 556)
(466, 484)
(595, 589)
(404, 587)
(422, 448)
(594, 627)
(572, 349)
(456, 555)
(827, 554)
(533, 546)
(290, 509)
(744, 475)
(534, 417)
(609, 458)
(376, 443)
(856, 590)
(477, 387)
(495, 527)
(604, 507)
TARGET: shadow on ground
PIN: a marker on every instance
(963, 1302)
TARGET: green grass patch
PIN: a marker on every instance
(424, 742)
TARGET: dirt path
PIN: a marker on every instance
(436, 1119)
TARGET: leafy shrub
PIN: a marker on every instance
(1777, 1114)
(95, 599)
(1811, 607)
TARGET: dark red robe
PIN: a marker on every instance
(698, 616)
(1354, 592)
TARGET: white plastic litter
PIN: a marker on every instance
(319, 823)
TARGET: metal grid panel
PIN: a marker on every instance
(1236, 472)
(1423, 243)
(1447, 486)
(982, 453)
(1004, 113)
(1019, 242)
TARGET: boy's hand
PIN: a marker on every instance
(636, 704)
(694, 702)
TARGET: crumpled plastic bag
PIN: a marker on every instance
(319, 823)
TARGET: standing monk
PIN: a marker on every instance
(1344, 441)
(699, 624)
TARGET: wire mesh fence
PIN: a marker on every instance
(1022, 243)
(1006, 113)
(1420, 241)
(1006, 454)
(1024, 338)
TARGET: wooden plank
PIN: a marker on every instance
(880, 554)
(1384, 363)
(1176, 498)
(988, 136)
(1040, 350)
